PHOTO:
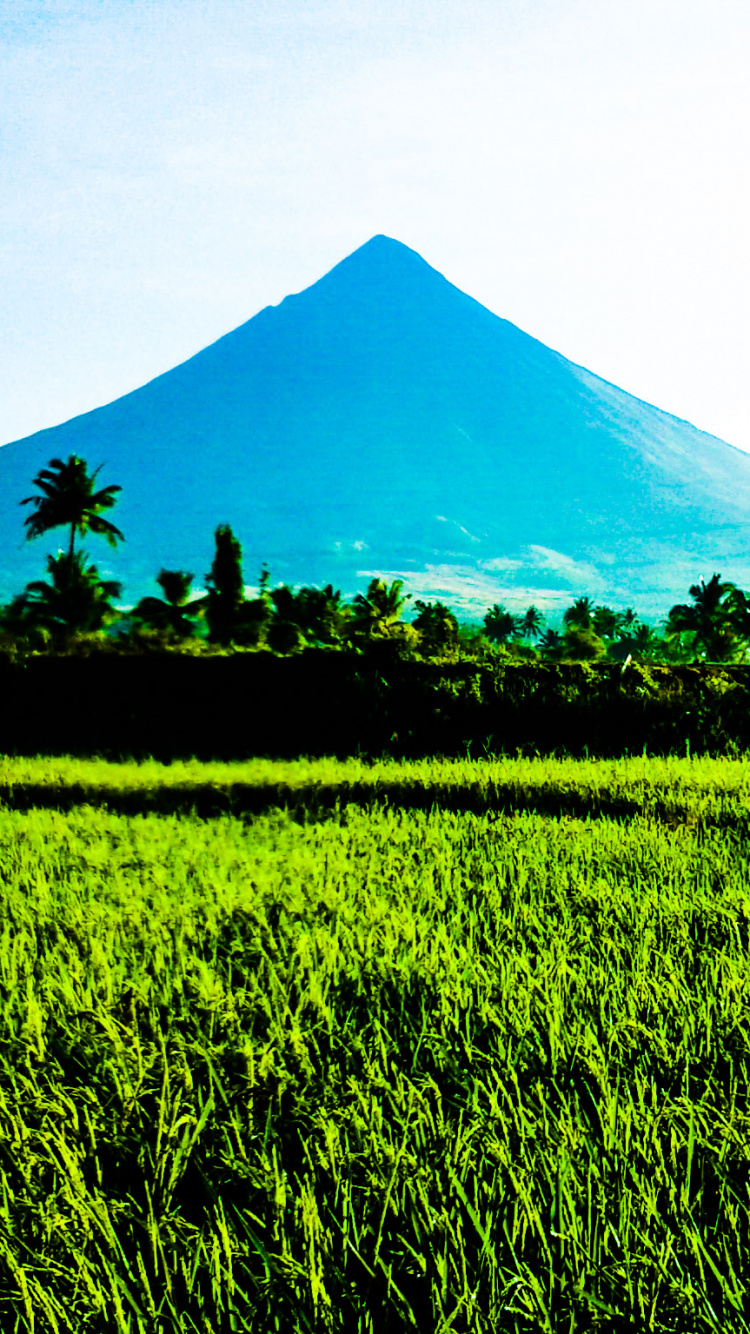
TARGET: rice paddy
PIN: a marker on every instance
(336, 1046)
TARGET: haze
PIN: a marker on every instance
(170, 168)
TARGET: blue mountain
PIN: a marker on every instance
(384, 422)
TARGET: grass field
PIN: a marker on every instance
(345, 1047)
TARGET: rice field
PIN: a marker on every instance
(335, 1046)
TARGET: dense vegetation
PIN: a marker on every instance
(375, 1048)
(75, 602)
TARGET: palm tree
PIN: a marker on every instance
(713, 619)
(323, 615)
(437, 627)
(317, 612)
(580, 615)
(551, 644)
(174, 612)
(378, 611)
(68, 499)
(531, 623)
(640, 642)
(606, 623)
(646, 642)
(75, 600)
(500, 625)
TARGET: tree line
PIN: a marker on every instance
(74, 601)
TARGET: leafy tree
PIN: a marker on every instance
(582, 644)
(473, 642)
(646, 642)
(606, 623)
(68, 500)
(377, 613)
(738, 606)
(18, 624)
(500, 625)
(322, 614)
(642, 644)
(174, 612)
(551, 644)
(531, 623)
(437, 626)
(580, 615)
(715, 620)
(254, 616)
(226, 590)
(318, 613)
(284, 634)
(74, 600)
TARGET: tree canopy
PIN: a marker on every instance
(68, 500)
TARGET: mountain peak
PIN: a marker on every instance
(384, 422)
(382, 245)
(382, 257)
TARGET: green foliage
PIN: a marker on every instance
(68, 499)
(437, 627)
(19, 630)
(311, 616)
(367, 1072)
(582, 645)
(714, 621)
(532, 623)
(500, 626)
(226, 589)
(581, 615)
(174, 613)
(285, 636)
(641, 643)
(74, 600)
(551, 644)
(377, 613)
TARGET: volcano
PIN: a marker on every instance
(384, 422)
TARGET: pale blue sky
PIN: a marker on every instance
(169, 167)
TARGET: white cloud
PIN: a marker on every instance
(578, 572)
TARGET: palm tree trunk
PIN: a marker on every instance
(70, 552)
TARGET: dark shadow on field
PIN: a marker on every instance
(319, 800)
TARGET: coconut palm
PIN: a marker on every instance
(322, 613)
(580, 615)
(531, 623)
(640, 642)
(712, 620)
(68, 500)
(606, 623)
(174, 612)
(646, 642)
(317, 612)
(437, 626)
(500, 625)
(551, 644)
(378, 611)
(75, 599)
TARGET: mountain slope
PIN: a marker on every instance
(383, 421)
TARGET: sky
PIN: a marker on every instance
(170, 167)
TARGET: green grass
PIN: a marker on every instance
(698, 788)
(437, 1046)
